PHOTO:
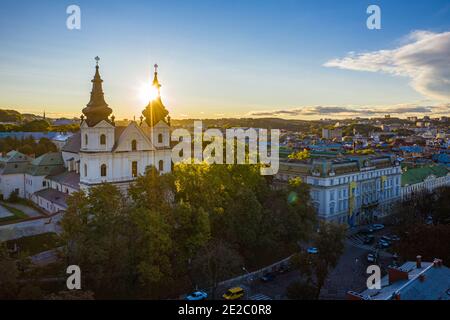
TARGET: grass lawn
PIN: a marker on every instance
(37, 243)
(17, 215)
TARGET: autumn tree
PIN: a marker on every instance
(329, 241)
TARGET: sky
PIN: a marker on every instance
(293, 59)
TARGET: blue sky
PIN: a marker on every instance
(225, 58)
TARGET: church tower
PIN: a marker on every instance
(157, 120)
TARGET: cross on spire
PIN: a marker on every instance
(156, 67)
(97, 59)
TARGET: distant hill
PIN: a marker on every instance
(267, 123)
(10, 116)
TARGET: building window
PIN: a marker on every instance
(85, 170)
(103, 170)
(134, 169)
(133, 145)
(160, 138)
(43, 183)
(102, 139)
(161, 165)
(86, 139)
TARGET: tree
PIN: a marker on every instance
(429, 241)
(300, 155)
(94, 228)
(216, 262)
(329, 240)
(301, 290)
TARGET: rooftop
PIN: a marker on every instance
(418, 175)
(429, 282)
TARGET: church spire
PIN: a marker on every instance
(97, 109)
(155, 110)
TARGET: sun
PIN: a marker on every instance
(147, 93)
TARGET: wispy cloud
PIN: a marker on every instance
(353, 111)
(424, 58)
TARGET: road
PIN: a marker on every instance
(349, 274)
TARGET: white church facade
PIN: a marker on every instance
(101, 152)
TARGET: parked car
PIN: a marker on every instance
(394, 237)
(383, 244)
(377, 226)
(270, 276)
(312, 250)
(284, 268)
(367, 231)
(197, 295)
(234, 293)
(386, 238)
(368, 239)
(372, 258)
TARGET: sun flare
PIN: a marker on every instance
(147, 93)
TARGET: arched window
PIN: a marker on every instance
(86, 139)
(103, 170)
(134, 169)
(85, 170)
(161, 165)
(160, 138)
(102, 139)
(133, 145)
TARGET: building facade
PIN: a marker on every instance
(349, 190)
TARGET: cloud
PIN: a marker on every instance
(351, 111)
(424, 58)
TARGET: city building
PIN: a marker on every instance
(351, 189)
(414, 280)
(331, 134)
(426, 178)
(13, 166)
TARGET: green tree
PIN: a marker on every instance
(329, 240)
(301, 290)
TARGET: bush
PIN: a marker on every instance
(300, 290)
(14, 196)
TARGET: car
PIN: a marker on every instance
(312, 250)
(197, 295)
(284, 268)
(395, 237)
(234, 293)
(368, 239)
(383, 244)
(367, 231)
(386, 238)
(377, 226)
(267, 277)
(372, 257)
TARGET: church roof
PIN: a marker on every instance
(97, 109)
(73, 145)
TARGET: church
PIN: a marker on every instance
(101, 152)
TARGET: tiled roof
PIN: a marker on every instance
(14, 162)
(417, 175)
(49, 163)
(54, 196)
(73, 144)
(67, 178)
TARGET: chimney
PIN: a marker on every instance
(352, 295)
(419, 262)
(395, 274)
(437, 263)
